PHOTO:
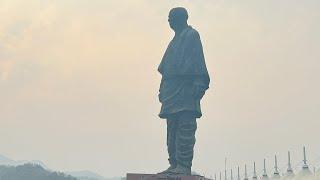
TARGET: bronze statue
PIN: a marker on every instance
(184, 81)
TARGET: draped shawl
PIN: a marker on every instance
(182, 66)
(184, 56)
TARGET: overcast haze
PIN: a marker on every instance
(79, 82)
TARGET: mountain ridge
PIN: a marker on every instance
(81, 175)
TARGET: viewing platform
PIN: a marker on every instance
(134, 176)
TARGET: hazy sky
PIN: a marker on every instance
(79, 82)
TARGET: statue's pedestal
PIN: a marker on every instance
(133, 176)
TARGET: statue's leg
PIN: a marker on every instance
(185, 141)
(171, 143)
(171, 140)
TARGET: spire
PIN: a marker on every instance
(225, 169)
(265, 175)
(225, 174)
(245, 173)
(305, 165)
(220, 176)
(305, 168)
(289, 170)
(238, 176)
(276, 173)
(276, 170)
(231, 175)
(254, 171)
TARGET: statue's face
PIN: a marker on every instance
(172, 21)
(176, 21)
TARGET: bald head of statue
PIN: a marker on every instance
(178, 18)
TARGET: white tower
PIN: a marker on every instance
(245, 173)
(254, 177)
(289, 174)
(225, 169)
(305, 171)
(264, 175)
(305, 165)
(231, 175)
(289, 169)
(238, 176)
(276, 174)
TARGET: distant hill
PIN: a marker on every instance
(5, 160)
(80, 175)
(31, 172)
(10, 162)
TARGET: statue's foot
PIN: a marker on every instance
(167, 170)
(180, 170)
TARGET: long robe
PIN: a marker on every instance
(182, 68)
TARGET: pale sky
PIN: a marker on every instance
(79, 82)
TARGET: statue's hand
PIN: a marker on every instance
(159, 98)
(198, 91)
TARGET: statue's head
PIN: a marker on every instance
(178, 18)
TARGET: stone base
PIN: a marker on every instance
(133, 176)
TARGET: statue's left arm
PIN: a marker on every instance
(200, 78)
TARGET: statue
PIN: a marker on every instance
(184, 81)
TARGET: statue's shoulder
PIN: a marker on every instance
(192, 33)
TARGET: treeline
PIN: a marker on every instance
(31, 172)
